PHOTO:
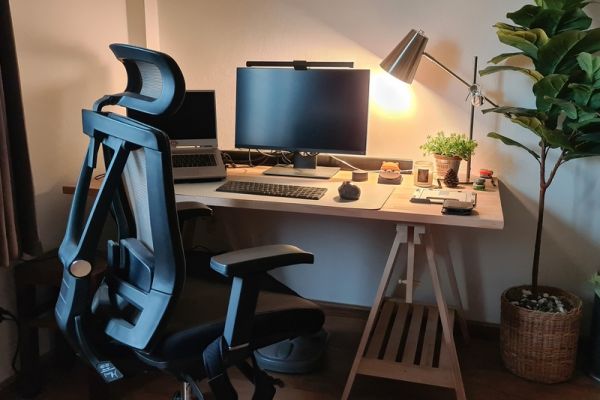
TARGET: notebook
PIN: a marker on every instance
(192, 131)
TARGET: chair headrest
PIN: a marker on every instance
(155, 84)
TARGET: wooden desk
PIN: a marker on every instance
(396, 207)
(401, 340)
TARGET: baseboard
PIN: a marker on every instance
(477, 329)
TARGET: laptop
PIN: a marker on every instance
(192, 131)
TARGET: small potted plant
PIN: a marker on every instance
(448, 151)
(595, 336)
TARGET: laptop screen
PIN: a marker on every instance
(194, 122)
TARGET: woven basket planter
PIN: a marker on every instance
(536, 345)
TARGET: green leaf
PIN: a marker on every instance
(549, 86)
(595, 101)
(581, 125)
(575, 155)
(508, 27)
(562, 4)
(590, 65)
(522, 40)
(557, 138)
(556, 4)
(533, 74)
(504, 56)
(512, 110)
(587, 114)
(510, 142)
(531, 123)
(556, 49)
(554, 138)
(591, 137)
(590, 43)
(524, 15)
(574, 19)
(586, 149)
(547, 20)
(565, 105)
(581, 93)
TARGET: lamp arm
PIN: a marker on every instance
(449, 71)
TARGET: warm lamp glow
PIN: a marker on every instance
(390, 96)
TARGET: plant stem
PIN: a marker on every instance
(540, 222)
(544, 184)
(538, 240)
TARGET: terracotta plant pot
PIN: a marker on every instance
(444, 163)
(539, 346)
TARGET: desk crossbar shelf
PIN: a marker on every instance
(407, 344)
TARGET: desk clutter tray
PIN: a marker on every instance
(437, 196)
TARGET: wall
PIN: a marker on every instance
(210, 39)
(65, 64)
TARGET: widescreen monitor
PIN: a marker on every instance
(313, 110)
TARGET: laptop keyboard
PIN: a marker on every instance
(273, 189)
(193, 160)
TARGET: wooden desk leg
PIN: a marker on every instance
(462, 321)
(410, 269)
(448, 335)
(403, 232)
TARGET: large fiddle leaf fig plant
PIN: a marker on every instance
(554, 36)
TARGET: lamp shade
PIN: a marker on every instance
(403, 61)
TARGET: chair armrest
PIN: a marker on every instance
(253, 260)
(192, 209)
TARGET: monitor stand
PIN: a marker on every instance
(303, 167)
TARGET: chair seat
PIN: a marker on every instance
(199, 318)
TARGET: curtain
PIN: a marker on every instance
(18, 227)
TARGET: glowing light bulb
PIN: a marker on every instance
(390, 96)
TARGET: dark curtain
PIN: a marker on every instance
(18, 228)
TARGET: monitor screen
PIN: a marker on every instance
(194, 120)
(314, 110)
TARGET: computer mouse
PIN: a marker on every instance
(348, 191)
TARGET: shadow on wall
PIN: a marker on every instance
(72, 80)
(566, 257)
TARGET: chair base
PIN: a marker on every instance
(296, 356)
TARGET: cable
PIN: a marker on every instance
(275, 154)
(228, 160)
(343, 162)
(6, 315)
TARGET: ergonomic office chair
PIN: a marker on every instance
(145, 307)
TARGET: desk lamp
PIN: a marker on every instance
(403, 62)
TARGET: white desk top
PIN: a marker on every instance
(383, 202)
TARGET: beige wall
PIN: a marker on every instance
(65, 64)
(210, 39)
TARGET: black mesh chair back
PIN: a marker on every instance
(140, 309)
(145, 266)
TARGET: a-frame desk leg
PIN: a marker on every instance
(383, 355)
(402, 232)
(448, 334)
